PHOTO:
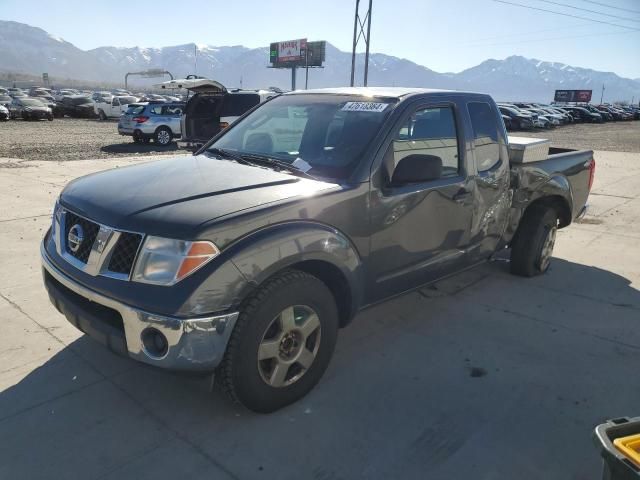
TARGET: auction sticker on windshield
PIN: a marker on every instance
(376, 107)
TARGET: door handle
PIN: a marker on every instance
(462, 196)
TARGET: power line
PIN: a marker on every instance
(532, 32)
(590, 11)
(566, 14)
(473, 45)
(611, 6)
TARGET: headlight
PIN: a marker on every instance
(164, 261)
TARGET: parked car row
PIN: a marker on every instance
(76, 103)
(526, 116)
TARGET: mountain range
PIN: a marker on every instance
(31, 50)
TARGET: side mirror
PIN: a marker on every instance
(417, 168)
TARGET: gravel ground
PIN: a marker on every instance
(79, 139)
(70, 139)
(612, 136)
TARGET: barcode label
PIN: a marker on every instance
(375, 107)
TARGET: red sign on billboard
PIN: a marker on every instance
(292, 50)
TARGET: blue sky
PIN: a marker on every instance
(448, 35)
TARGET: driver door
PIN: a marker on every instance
(420, 231)
(115, 108)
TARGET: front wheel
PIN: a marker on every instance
(532, 247)
(102, 115)
(281, 344)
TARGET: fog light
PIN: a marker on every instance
(155, 343)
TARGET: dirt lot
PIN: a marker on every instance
(613, 136)
(79, 139)
(70, 139)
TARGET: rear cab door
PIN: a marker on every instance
(491, 192)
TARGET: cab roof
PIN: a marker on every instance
(389, 92)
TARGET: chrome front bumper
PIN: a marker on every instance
(193, 343)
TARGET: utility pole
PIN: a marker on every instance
(306, 65)
(293, 78)
(602, 94)
(195, 58)
(359, 31)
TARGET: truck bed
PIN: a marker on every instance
(565, 174)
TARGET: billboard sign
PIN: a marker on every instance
(292, 50)
(581, 96)
(297, 53)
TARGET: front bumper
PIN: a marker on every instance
(195, 344)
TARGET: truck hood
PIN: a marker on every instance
(174, 197)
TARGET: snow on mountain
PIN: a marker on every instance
(28, 49)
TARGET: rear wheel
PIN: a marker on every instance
(138, 137)
(163, 136)
(532, 247)
(281, 344)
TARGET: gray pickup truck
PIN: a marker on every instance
(248, 257)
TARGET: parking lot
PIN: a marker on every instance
(612, 136)
(70, 139)
(79, 139)
(484, 375)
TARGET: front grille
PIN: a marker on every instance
(124, 253)
(90, 230)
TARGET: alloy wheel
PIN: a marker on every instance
(547, 248)
(289, 346)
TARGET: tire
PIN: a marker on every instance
(101, 115)
(25, 116)
(137, 137)
(50, 117)
(163, 136)
(255, 383)
(532, 247)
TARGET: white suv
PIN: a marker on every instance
(212, 107)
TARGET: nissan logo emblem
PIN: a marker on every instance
(75, 238)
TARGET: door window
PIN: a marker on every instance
(167, 110)
(485, 135)
(429, 131)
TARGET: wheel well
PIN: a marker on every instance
(558, 203)
(163, 127)
(335, 281)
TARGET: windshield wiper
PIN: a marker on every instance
(277, 163)
(221, 152)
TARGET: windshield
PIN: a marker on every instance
(32, 102)
(79, 100)
(324, 135)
